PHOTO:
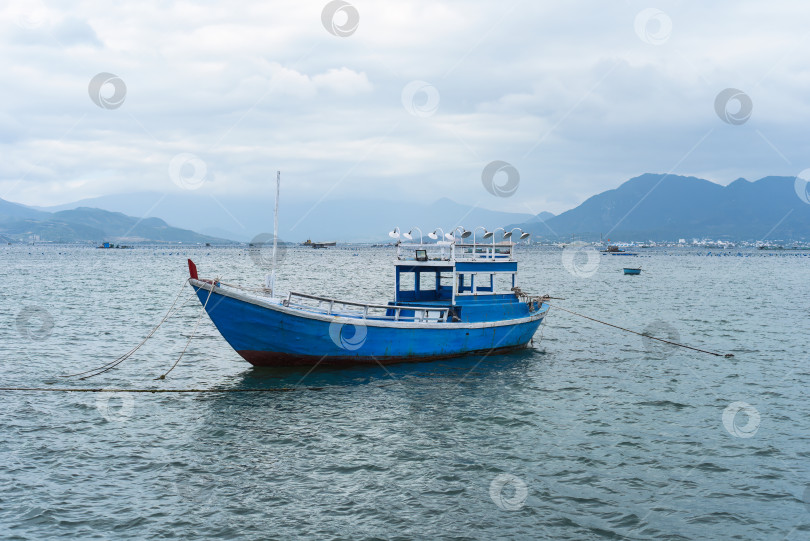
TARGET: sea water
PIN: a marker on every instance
(591, 433)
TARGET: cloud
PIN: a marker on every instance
(72, 31)
(569, 94)
(343, 81)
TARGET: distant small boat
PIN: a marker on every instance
(111, 246)
(632, 271)
(615, 250)
(319, 244)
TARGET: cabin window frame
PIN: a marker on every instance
(478, 280)
(416, 287)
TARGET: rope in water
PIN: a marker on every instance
(644, 335)
(112, 364)
(202, 311)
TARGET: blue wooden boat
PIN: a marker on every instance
(632, 271)
(450, 300)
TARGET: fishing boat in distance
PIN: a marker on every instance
(112, 246)
(317, 245)
(615, 250)
(451, 298)
(632, 271)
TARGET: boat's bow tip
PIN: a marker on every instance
(192, 270)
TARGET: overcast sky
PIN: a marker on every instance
(405, 100)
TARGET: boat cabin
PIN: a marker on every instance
(475, 281)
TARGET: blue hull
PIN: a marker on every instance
(269, 334)
(632, 271)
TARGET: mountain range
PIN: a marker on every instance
(647, 207)
(83, 224)
(668, 207)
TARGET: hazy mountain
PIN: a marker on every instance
(242, 218)
(12, 211)
(84, 224)
(542, 217)
(667, 207)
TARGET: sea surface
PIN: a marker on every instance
(592, 433)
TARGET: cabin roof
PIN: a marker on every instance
(450, 254)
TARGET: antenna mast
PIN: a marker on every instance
(271, 279)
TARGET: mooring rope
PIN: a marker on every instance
(112, 364)
(131, 352)
(642, 334)
(202, 311)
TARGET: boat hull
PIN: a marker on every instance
(269, 334)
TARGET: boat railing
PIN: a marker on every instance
(483, 251)
(359, 310)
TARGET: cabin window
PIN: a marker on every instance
(435, 284)
(427, 281)
(466, 281)
(485, 283)
(503, 282)
(407, 281)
